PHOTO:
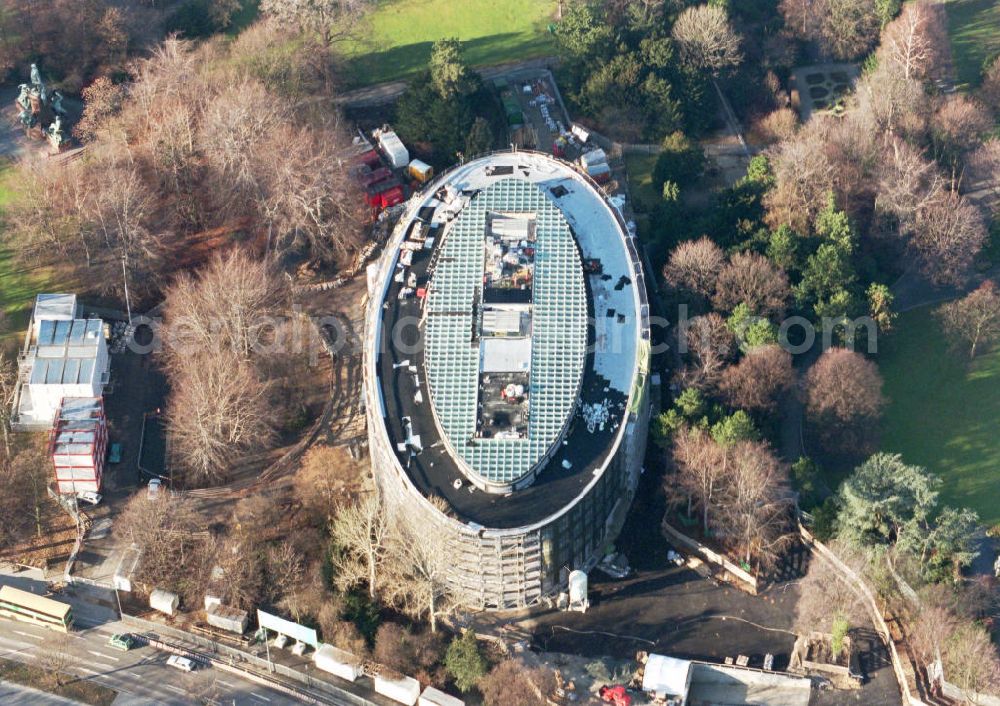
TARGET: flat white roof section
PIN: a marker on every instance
(55, 306)
(506, 355)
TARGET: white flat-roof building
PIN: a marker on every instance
(63, 356)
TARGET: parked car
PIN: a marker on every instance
(182, 663)
(88, 496)
(153, 490)
(122, 641)
(115, 453)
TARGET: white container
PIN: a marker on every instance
(226, 618)
(593, 157)
(405, 690)
(163, 601)
(393, 149)
(436, 697)
(337, 662)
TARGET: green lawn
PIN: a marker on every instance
(944, 413)
(400, 33)
(18, 284)
(974, 29)
(639, 168)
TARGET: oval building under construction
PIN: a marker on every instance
(506, 373)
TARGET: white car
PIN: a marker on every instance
(181, 663)
(153, 490)
(89, 497)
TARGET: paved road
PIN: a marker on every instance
(142, 673)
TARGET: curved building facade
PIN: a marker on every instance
(506, 373)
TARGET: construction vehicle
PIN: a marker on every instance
(615, 694)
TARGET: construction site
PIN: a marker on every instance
(506, 373)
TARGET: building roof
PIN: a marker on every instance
(510, 224)
(616, 347)
(66, 351)
(55, 306)
(77, 426)
(666, 675)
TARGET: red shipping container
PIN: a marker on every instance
(392, 196)
(374, 177)
(370, 158)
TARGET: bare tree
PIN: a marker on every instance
(24, 475)
(906, 182)
(706, 39)
(709, 346)
(889, 103)
(984, 168)
(973, 320)
(694, 266)
(310, 199)
(947, 234)
(332, 20)
(777, 126)
(286, 574)
(826, 595)
(971, 662)
(844, 396)
(8, 385)
(752, 279)
(419, 562)
(844, 29)
(835, 380)
(229, 305)
(511, 682)
(848, 28)
(915, 41)
(760, 379)
(164, 529)
(361, 534)
(929, 634)
(804, 175)
(755, 504)
(701, 467)
(219, 408)
(957, 127)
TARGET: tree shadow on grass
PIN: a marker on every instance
(375, 65)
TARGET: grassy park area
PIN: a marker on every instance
(639, 168)
(944, 413)
(398, 40)
(18, 285)
(974, 29)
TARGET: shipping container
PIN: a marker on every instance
(405, 690)
(593, 157)
(370, 158)
(436, 697)
(375, 176)
(393, 149)
(227, 618)
(392, 197)
(601, 173)
(337, 662)
(163, 601)
(421, 171)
